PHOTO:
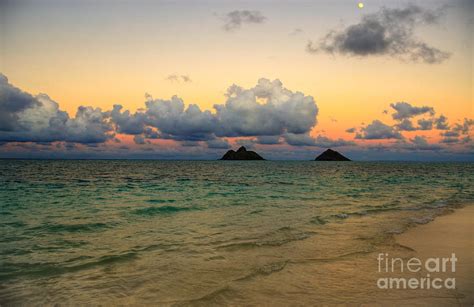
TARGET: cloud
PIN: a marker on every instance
(218, 143)
(441, 123)
(296, 32)
(38, 119)
(378, 130)
(178, 78)
(139, 139)
(454, 133)
(269, 139)
(174, 121)
(390, 32)
(351, 130)
(465, 127)
(425, 124)
(421, 143)
(235, 19)
(405, 125)
(249, 143)
(126, 122)
(266, 109)
(404, 110)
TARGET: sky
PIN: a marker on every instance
(391, 80)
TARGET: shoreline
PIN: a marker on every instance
(450, 232)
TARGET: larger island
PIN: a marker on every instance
(241, 154)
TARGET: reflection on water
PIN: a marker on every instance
(181, 232)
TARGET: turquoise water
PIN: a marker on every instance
(179, 232)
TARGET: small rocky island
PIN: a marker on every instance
(241, 154)
(331, 155)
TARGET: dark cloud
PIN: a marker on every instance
(12, 102)
(235, 19)
(378, 130)
(387, 32)
(404, 110)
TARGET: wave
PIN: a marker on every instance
(161, 201)
(279, 237)
(265, 270)
(42, 269)
(71, 228)
(150, 211)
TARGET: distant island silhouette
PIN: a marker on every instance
(331, 155)
(241, 154)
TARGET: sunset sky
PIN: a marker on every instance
(391, 80)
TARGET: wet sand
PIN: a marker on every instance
(451, 233)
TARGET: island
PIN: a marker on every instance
(241, 154)
(331, 155)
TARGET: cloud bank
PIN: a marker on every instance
(27, 118)
(267, 111)
(263, 116)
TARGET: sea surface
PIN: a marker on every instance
(210, 232)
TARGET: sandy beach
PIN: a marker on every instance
(447, 234)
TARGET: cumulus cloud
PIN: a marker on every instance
(235, 19)
(126, 122)
(38, 119)
(390, 31)
(12, 102)
(174, 121)
(378, 130)
(267, 111)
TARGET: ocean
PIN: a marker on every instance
(210, 232)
